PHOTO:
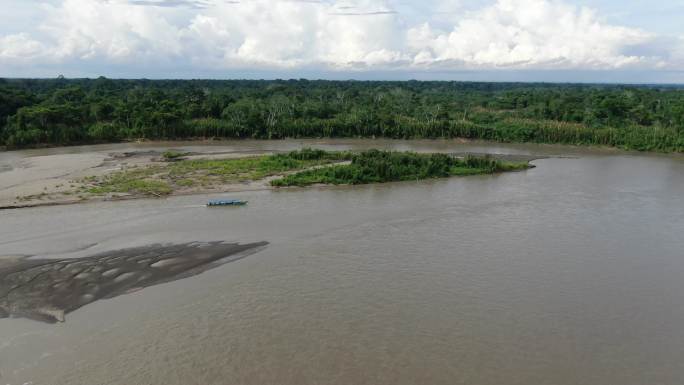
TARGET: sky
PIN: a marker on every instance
(496, 40)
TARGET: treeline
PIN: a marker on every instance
(376, 166)
(68, 111)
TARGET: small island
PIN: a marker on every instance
(160, 174)
(297, 168)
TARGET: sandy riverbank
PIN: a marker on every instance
(61, 178)
(57, 179)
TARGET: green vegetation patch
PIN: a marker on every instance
(138, 181)
(376, 166)
(163, 180)
(172, 156)
(252, 168)
(186, 182)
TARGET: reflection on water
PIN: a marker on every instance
(569, 273)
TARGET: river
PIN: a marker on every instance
(568, 273)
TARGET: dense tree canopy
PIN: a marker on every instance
(64, 111)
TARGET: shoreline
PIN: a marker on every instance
(64, 179)
(234, 187)
(219, 140)
(51, 190)
(222, 140)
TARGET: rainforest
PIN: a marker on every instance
(48, 112)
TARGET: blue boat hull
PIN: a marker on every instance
(226, 203)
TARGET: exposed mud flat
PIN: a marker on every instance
(45, 290)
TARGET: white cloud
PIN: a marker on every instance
(678, 53)
(87, 30)
(19, 47)
(333, 35)
(290, 34)
(529, 33)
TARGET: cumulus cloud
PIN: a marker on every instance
(677, 57)
(291, 34)
(19, 47)
(112, 30)
(172, 3)
(332, 34)
(529, 33)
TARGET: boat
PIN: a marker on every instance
(226, 202)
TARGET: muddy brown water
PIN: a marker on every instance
(569, 273)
